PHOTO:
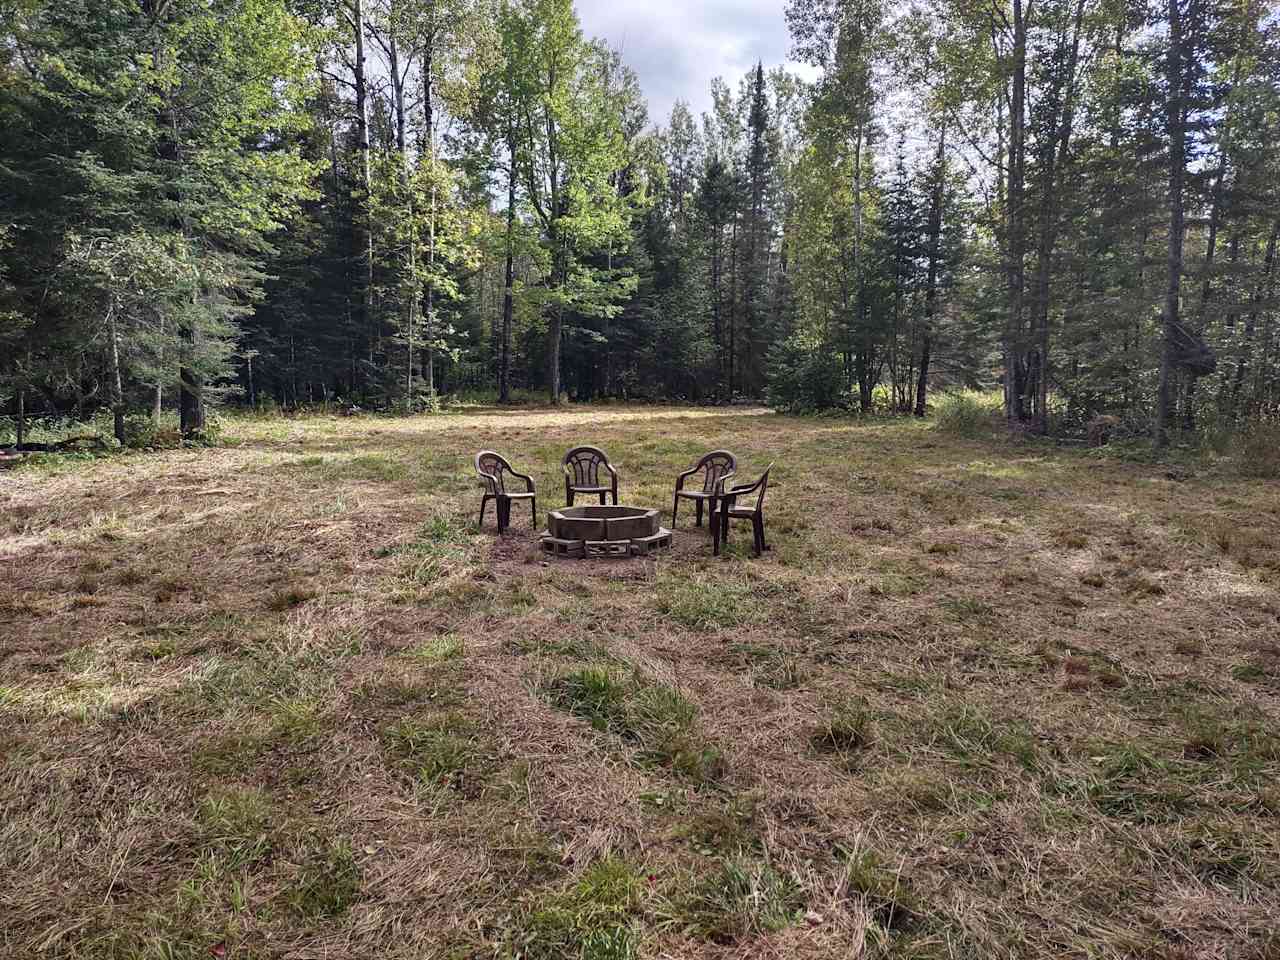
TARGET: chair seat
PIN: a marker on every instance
(517, 496)
(695, 495)
(742, 511)
(577, 489)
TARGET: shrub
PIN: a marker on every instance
(143, 433)
(1256, 451)
(965, 413)
(805, 375)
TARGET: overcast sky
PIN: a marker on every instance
(678, 46)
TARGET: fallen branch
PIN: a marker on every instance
(62, 445)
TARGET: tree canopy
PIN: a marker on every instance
(382, 202)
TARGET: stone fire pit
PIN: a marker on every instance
(602, 531)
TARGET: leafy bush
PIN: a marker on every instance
(805, 375)
(143, 433)
(966, 413)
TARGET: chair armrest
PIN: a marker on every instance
(725, 478)
(489, 479)
(748, 488)
(609, 466)
(525, 477)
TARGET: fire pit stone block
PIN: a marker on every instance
(604, 531)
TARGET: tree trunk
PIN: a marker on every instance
(1055, 157)
(1175, 118)
(1263, 291)
(429, 362)
(365, 230)
(191, 407)
(21, 422)
(1015, 225)
(931, 283)
(117, 382)
(508, 295)
(733, 304)
(428, 117)
(717, 324)
(555, 330)
(409, 283)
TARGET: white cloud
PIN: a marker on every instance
(678, 46)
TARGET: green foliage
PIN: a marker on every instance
(966, 414)
(211, 202)
(806, 376)
(140, 212)
(143, 433)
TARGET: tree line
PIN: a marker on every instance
(380, 202)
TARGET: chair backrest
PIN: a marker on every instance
(764, 486)
(760, 487)
(583, 465)
(492, 468)
(715, 465)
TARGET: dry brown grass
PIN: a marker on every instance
(282, 699)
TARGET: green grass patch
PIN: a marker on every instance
(595, 919)
(438, 649)
(743, 898)
(230, 755)
(972, 736)
(703, 602)
(327, 882)
(656, 720)
(847, 726)
(442, 751)
(888, 897)
(236, 823)
(728, 829)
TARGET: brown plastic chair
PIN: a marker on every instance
(717, 468)
(493, 469)
(582, 467)
(729, 510)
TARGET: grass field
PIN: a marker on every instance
(283, 699)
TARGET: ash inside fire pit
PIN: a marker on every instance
(604, 532)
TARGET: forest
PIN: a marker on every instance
(383, 204)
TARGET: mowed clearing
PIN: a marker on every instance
(283, 699)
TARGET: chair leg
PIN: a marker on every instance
(698, 512)
(716, 537)
(484, 503)
(675, 510)
(533, 512)
(757, 527)
(504, 514)
(764, 547)
(568, 495)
